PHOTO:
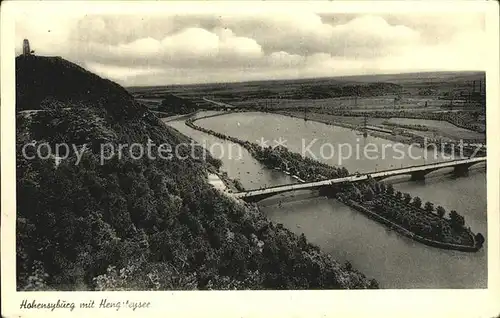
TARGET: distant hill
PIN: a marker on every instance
(172, 104)
(133, 223)
(416, 77)
(397, 78)
(39, 78)
(439, 83)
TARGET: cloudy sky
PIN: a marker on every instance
(166, 48)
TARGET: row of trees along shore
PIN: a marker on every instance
(461, 149)
(399, 208)
(407, 126)
(410, 213)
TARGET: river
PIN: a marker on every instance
(236, 160)
(393, 260)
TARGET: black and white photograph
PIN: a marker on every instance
(229, 148)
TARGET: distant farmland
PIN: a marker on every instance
(411, 91)
(360, 104)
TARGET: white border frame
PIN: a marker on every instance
(407, 303)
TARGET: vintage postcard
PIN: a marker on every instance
(250, 159)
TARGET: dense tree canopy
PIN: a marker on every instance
(137, 224)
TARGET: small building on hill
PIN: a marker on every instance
(26, 47)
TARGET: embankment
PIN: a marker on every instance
(399, 229)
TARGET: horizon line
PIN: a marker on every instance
(310, 78)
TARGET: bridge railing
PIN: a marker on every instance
(432, 164)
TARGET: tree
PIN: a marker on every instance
(399, 195)
(343, 172)
(348, 266)
(407, 198)
(389, 189)
(479, 239)
(440, 211)
(379, 206)
(382, 187)
(417, 202)
(453, 216)
(456, 220)
(368, 194)
(461, 221)
(429, 207)
(373, 284)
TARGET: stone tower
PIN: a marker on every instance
(26, 47)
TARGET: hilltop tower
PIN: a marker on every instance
(26, 47)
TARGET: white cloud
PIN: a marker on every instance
(191, 42)
(120, 73)
(306, 33)
(285, 59)
(374, 33)
(190, 47)
(243, 47)
(165, 48)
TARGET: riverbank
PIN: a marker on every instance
(232, 185)
(463, 148)
(474, 247)
(430, 227)
(463, 120)
(178, 117)
(399, 211)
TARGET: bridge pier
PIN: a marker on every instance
(461, 170)
(418, 175)
(256, 198)
(328, 191)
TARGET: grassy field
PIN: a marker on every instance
(437, 82)
(444, 128)
(350, 103)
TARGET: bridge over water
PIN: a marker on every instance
(461, 168)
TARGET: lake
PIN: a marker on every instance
(393, 260)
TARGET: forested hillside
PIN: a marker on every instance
(172, 104)
(137, 224)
